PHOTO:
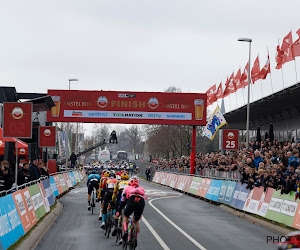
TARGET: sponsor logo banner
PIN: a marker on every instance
(71, 174)
(17, 120)
(128, 107)
(229, 192)
(195, 185)
(47, 136)
(37, 201)
(11, 225)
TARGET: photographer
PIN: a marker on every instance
(24, 174)
(7, 177)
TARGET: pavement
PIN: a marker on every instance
(171, 220)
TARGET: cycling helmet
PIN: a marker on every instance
(113, 172)
(112, 175)
(94, 172)
(106, 174)
(124, 176)
(134, 182)
(118, 177)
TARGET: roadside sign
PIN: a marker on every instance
(229, 139)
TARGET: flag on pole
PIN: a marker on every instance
(215, 122)
(229, 86)
(296, 45)
(265, 70)
(219, 93)
(211, 95)
(237, 80)
(255, 71)
(244, 78)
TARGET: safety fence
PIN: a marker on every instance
(270, 204)
(207, 172)
(23, 208)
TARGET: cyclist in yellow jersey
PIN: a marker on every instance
(119, 187)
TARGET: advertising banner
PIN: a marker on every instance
(252, 202)
(128, 107)
(168, 180)
(202, 184)
(58, 184)
(68, 180)
(71, 174)
(44, 197)
(164, 178)
(264, 202)
(229, 192)
(214, 190)
(195, 184)
(25, 209)
(282, 208)
(37, 201)
(53, 186)
(11, 225)
(188, 183)
(47, 136)
(63, 144)
(205, 187)
(49, 191)
(222, 193)
(174, 180)
(17, 121)
(76, 176)
(240, 196)
(63, 182)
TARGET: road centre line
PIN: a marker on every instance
(196, 243)
(155, 234)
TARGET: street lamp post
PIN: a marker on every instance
(249, 40)
(67, 155)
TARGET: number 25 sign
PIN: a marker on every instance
(230, 139)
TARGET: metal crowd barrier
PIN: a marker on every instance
(14, 189)
(206, 172)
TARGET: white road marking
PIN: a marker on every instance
(160, 241)
(196, 243)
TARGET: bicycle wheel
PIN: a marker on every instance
(131, 243)
(92, 203)
(110, 221)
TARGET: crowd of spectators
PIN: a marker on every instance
(27, 173)
(268, 164)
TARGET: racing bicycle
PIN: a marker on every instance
(93, 201)
(109, 221)
(131, 240)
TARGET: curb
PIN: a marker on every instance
(269, 225)
(41, 229)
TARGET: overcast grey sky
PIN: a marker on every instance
(140, 45)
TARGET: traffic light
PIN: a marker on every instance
(113, 137)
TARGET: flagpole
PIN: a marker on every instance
(270, 71)
(262, 96)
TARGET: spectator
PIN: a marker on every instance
(257, 158)
(148, 173)
(73, 159)
(42, 170)
(24, 174)
(34, 170)
(294, 159)
(7, 177)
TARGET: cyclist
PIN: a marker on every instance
(109, 185)
(119, 188)
(135, 197)
(92, 182)
(104, 177)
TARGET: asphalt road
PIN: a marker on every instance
(173, 221)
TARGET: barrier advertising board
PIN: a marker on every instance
(53, 186)
(195, 185)
(37, 200)
(44, 197)
(214, 190)
(229, 192)
(128, 107)
(11, 225)
(239, 196)
(71, 174)
(264, 202)
(282, 208)
(49, 191)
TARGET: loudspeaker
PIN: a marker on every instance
(45, 156)
(32, 151)
(9, 152)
